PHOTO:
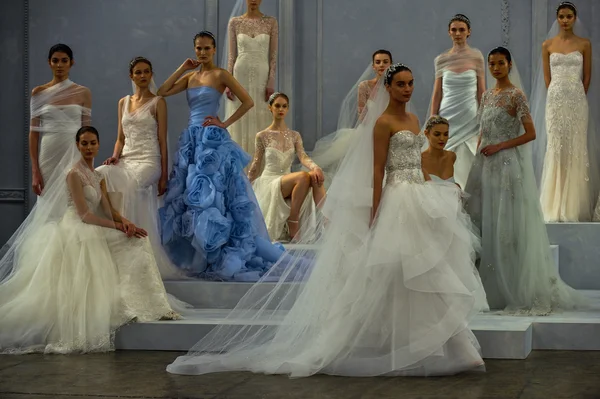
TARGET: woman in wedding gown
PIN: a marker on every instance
(459, 84)
(391, 289)
(516, 264)
(273, 182)
(567, 64)
(438, 162)
(210, 225)
(252, 60)
(58, 109)
(329, 150)
(137, 172)
(75, 281)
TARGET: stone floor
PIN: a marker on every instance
(547, 375)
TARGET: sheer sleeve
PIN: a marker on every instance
(257, 162)
(479, 63)
(438, 65)
(232, 37)
(301, 154)
(522, 107)
(363, 96)
(273, 48)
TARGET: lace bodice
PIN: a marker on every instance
(91, 186)
(404, 158)
(140, 130)
(256, 39)
(566, 67)
(276, 149)
(502, 114)
(364, 91)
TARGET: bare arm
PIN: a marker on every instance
(120, 143)
(587, 65)
(177, 83)
(546, 63)
(37, 181)
(480, 88)
(241, 93)
(480, 70)
(436, 98)
(381, 143)
(273, 47)
(161, 120)
(255, 168)
(76, 189)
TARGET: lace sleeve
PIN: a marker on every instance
(363, 96)
(273, 48)
(257, 162)
(232, 37)
(301, 154)
(521, 107)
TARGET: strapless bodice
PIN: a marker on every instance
(566, 66)
(439, 179)
(61, 119)
(404, 158)
(203, 101)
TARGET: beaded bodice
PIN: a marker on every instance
(404, 158)
(502, 114)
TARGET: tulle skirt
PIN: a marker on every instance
(398, 305)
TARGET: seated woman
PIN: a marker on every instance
(438, 162)
(283, 196)
(75, 281)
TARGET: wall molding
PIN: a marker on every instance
(13, 195)
(25, 193)
(539, 31)
(319, 59)
(505, 22)
(285, 53)
(211, 15)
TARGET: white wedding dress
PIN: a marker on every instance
(252, 61)
(565, 184)
(74, 284)
(275, 152)
(392, 300)
(132, 182)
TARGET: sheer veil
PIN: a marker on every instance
(538, 112)
(236, 11)
(265, 319)
(62, 102)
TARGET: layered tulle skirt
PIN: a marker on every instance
(397, 304)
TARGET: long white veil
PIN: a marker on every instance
(59, 132)
(236, 11)
(538, 112)
(265, 323)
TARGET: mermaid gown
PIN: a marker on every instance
(211, 225)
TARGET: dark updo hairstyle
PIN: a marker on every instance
(206, 33)
(501, 50)
(276, 95)
(136, 61)
(392, 71)
(460, 18)
(87, 129)
(60, 48)
(382, 51)
(568, 5)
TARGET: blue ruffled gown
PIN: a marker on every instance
(210, 224)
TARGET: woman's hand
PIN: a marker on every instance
(317, 177)
(490, 150)
(190, 64)
(229, 94)
(213, 121)
(162, 184)
(37, 182)
(111, 161)
(268, 92)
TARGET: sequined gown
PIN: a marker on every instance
(210, 224)
(252, 61)
(273, 158)
(565, 189)
(76, 283)
(400, 305)
(516, 266)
